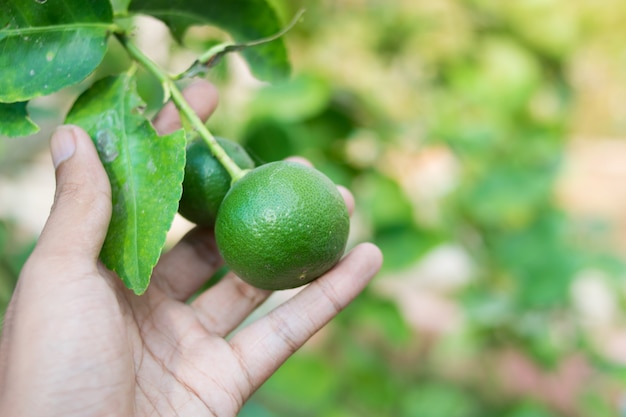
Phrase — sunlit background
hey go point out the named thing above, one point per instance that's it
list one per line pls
(485, 143)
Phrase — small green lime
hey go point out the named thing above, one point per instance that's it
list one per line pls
(282, 225)
(206, 181)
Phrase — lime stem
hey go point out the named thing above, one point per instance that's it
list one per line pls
(172, 90)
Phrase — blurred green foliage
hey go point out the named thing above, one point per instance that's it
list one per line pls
(13, 253)
(491, 83)
(490, 87)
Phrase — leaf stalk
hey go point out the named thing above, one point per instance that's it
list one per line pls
(212, 56)
(172, 91)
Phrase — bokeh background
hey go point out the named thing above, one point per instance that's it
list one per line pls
(484, 142)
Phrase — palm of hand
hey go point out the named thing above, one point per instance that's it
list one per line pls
(177, 361)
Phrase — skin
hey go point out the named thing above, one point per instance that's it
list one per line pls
(77, 343)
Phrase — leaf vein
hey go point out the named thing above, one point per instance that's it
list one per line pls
(56, 28)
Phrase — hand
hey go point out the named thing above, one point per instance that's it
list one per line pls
(76, 342)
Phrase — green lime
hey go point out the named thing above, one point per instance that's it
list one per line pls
(282, 225)
(206, 181)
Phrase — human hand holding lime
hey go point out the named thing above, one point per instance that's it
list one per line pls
(77, 342)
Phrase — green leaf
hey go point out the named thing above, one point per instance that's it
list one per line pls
(245, 20)
(146, 174)
(15, 120)
(49, 45)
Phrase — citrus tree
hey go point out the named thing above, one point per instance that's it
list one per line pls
(52, 45)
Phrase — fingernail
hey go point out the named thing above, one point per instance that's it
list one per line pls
(62, 144)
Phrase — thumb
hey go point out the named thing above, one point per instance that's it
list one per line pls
(81, 212)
